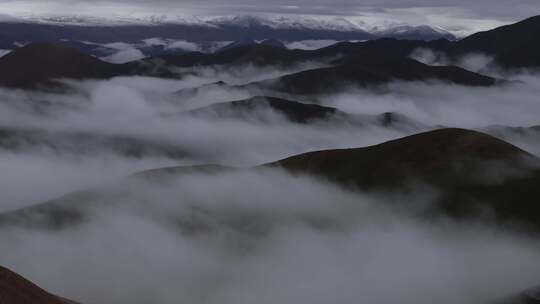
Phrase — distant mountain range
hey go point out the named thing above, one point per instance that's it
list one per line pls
(364, 63)
(41, 63)
(134, 38)
(259, 27)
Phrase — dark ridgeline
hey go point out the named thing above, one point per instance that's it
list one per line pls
(297, 112)
(472, 170)
(514, 46)
(39, 63)
(246, 109)
(14, 289)
(42, 63)
(380, 71)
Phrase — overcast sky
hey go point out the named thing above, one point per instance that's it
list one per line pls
(457, 15)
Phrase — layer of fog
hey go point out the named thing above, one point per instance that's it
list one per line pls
(309, 44)
(147, 109)
(513, 104)
(4, 52)
(34, 177)
(489, 109)
(132, 252)
(122, 52)
(476, 62)
(244, 74)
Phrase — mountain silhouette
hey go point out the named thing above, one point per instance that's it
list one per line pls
(14, 289)
(471, 170)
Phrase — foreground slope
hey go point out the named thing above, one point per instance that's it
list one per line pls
(471, 170)
(424, 155)
(14, 289)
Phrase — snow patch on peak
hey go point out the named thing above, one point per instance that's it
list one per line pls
(293, 21)
(288, 22)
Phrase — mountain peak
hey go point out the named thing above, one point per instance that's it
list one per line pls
(38, 63)
(426, 156)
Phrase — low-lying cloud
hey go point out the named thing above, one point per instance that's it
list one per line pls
(264, 235)
(263, 245)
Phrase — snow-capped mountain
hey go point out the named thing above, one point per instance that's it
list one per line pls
(403, 31)
(119, 38)
(322, 23)
(251, 22)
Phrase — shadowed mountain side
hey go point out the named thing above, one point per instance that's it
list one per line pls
(514, 45)
(529, 296)
(40, 63)
(471, 169)
(351, 72)
(14, 289)
(256, 109)
(424, 155)
(524, 56)
(274, 42)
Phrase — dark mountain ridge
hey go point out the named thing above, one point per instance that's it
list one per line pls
(246, 109)
(471, 170)
(297, 112)
(14, 289)
(40, 63)
(372, 70)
